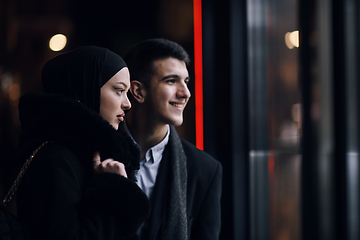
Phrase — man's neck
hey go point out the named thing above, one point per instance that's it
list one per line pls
(145, 133)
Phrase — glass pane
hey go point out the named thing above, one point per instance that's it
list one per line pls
(275, 119)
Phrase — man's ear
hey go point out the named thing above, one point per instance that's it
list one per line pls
(138, 90)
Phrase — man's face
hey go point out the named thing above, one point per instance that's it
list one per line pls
(168, 92)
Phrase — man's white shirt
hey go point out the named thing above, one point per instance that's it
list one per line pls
(146, 176)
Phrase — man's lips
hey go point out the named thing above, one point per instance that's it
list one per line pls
(178, 105)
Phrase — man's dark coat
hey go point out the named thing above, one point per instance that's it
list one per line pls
(203, 192)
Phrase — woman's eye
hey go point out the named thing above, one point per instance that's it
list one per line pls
(119, 90)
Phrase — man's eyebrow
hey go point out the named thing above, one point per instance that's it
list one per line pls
(122, 84)
(170, 76)
(173, 76)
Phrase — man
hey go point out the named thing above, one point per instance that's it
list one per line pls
(182, 182)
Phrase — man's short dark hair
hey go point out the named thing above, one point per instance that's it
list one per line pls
(141, 56)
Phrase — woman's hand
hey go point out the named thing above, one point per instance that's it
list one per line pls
(108, 166)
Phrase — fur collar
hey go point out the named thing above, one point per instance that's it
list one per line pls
(65, 121)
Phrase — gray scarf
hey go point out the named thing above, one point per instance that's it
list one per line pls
(174, 222)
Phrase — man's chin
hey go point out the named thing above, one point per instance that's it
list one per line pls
(173, 121)
(177, 123)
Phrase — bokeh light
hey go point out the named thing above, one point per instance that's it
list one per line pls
(57, 42)
(292, 39)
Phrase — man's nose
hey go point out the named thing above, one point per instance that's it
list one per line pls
(184, 91)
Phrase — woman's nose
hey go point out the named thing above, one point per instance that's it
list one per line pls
(126, 105)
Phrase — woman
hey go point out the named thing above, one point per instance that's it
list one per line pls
(80, 185)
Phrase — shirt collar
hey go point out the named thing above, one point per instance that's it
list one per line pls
(155, 153)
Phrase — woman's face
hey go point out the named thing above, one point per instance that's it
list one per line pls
(113, 98)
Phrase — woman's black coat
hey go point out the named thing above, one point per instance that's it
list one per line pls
(59, 196)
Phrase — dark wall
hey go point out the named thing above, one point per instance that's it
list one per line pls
(27, 26)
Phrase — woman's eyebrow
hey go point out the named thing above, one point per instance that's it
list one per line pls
(122, 84)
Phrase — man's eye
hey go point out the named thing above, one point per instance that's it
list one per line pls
(171, 81)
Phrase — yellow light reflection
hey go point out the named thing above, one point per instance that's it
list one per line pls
(292, 39)
(57, 42)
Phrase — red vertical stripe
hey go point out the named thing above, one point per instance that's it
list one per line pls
(199, 114)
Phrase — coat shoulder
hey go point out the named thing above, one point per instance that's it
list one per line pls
(198, 158)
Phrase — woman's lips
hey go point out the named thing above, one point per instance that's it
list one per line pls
(121, 117)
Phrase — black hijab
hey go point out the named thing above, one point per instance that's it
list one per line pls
(81, 73)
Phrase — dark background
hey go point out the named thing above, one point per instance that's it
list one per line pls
(27, 26)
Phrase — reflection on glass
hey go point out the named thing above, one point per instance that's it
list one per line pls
(275, 120)
(292, 39)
